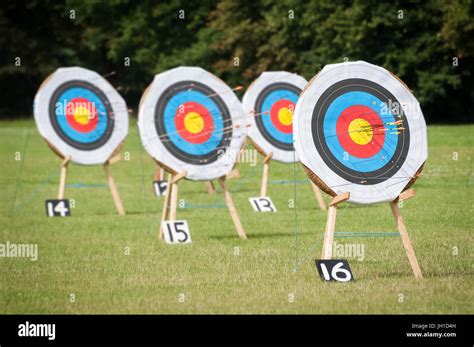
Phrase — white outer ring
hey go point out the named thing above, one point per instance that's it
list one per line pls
(248, 102)
(153, 144)
(309, 156)
(45, 128)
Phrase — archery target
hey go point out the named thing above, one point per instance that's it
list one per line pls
(270, 102)
(359, 129)
(189, 120)
(81, 114)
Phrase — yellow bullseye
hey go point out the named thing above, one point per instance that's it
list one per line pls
(285, 116)
(360, 131)
(81, 115)
(193, 122)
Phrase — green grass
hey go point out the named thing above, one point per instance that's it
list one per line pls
(84, 254)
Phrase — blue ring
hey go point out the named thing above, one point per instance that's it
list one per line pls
(180, 142)
(267, 104)
(80, 92)
(332, 115)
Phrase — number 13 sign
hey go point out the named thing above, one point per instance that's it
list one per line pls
(262, 204)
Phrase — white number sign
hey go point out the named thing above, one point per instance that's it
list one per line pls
(262, 204)
(160, 187)
(176, 231)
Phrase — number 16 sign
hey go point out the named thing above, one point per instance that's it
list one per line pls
(334, 270)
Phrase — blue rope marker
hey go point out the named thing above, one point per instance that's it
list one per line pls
(215, 205)
(86, 185)
(365, 234)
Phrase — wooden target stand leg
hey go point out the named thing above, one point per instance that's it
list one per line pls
(266, 168)
(230, 203)
(62, 179)
(404, 233)
(319, 196)
(170, 202)
(210, 187)
(331, 223)
(159, 173)
(160, 176)
(263, 188)
(112, 185)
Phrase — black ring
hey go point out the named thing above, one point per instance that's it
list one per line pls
(319, 113)
(258, 109)
(170, 146)
(110, 119)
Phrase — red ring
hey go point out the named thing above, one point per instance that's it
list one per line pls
(342, 128)
(82, 128)
(207, 129)
(277, 106)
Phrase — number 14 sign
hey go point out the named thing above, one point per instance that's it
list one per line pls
(57, 208)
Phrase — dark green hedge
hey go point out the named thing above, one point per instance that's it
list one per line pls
(418, 44)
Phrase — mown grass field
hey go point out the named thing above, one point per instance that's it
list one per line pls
(218, 272)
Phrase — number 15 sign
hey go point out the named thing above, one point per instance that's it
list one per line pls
(176, 232)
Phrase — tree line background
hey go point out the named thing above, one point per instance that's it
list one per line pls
(421, 48)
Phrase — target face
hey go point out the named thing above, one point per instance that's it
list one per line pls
(191, 121)
(270, 102)
(360, 130)
(350, 128)
(81, 115)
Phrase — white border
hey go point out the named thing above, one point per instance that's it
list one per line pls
(248, 102)
(309, 156)
(45, 128)
(153, 144)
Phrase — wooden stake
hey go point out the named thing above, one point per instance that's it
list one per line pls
(178, 177)
(266, 164)
(166, 201)
(159, 174)
(233, 211)
(115, 159)
(174, 201)
(174, 194)
(319, 196)
(329, 233)
(170, 201)
(210, 187)
(339, 198)
(113, 190)
(331, 224)
(233, 174)
(405, 239)
(62, 179)
(407, 194)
